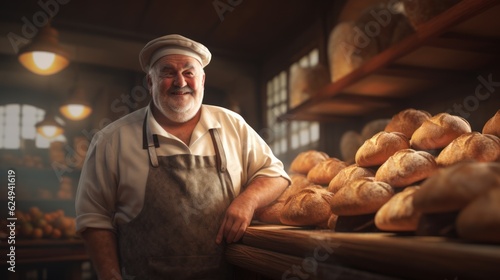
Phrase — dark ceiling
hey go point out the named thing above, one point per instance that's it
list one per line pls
(238, 29)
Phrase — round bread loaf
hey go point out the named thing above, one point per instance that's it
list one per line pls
(453, 187)
(480, 220)
(349, 145)
(299, 182)
(438, 131)
(271, 213)
(308, 207)
(407, 121)
(305, 161)
(306, 81)
(406, 167)
(361, 196)
(348, 174)
(421, 11)
(398, 213)
(492, 126)
(470, 146)
(380, 147)
(373, 127)
(323, 172)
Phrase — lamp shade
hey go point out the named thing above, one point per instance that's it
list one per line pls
(44, 55)
(77, 107)
(49, 127)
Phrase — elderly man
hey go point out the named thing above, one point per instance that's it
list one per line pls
(165, 187)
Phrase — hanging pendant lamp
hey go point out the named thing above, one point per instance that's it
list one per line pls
(49, 127)
(76, 107)
(44, 56)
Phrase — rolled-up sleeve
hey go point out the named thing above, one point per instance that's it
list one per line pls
(96, 193)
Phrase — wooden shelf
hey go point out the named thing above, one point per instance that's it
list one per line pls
(273, 250)
(450, 48)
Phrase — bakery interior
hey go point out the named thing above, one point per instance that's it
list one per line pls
(315, 79)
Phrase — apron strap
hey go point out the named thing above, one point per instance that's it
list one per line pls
(150, 142)
(219, 151)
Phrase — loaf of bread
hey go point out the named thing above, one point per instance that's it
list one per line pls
(398, 213)
(361, 196)
(480, 220)
(380, 147)
(470, 146)
(420, 11)
(348, 174)
(305, 82)
(323, 172)
(373, 127)
(349, 145)
(308, 207)
(407, 121)
(305, 161)
(492, 126)
(438, 131)
(452, 188)
(406, 167)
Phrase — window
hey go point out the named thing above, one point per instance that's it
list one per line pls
(17, 124)
(290, 136)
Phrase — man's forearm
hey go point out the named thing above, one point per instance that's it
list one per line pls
(102, 247)
(264, 190)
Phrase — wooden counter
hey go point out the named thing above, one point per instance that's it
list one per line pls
(283, 252)
(58, 259)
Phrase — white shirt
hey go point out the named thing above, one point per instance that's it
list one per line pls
(113, 179)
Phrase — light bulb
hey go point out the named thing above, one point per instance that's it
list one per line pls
(75, 110)
(43, 60)
(49, 131)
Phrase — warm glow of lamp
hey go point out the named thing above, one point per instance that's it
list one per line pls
(44, 55)
(76, 107)
(49, 127)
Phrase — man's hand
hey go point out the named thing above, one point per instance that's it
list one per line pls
(259, 193)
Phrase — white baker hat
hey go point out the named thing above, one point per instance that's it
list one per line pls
(172, 44)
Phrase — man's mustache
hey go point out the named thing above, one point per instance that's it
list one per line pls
(185, 89)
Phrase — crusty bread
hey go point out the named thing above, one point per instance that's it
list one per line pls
(347, 174)
(308, 207)
(398, 213)
(332, 221)
(361, 196)
(470, 146)
(421, 11)
(305, 161)
(453, 187)
(406, 167)
(323, 172)
(438, 131)
(380, 147)
(407, 121)
(492, 126)
(349, 145)
(271, 213)
(480, 220)
(305, 82)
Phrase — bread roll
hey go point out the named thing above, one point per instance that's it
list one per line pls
(420, 11)
(323, 172)
(271, 213)
(492, 126)
(361, 196)
(349, 145)
(380, 147)
(373, 127)
(305, 161)
(407, 121)
(480, 220)
(471, 146)
(438, 131)
(398, 213)
(348, 174)
(305, 82)
(406, 167)
(310, 206)
(453, 187)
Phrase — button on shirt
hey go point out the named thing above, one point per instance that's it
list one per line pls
(113, 179)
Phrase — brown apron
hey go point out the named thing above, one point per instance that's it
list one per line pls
(173, 237)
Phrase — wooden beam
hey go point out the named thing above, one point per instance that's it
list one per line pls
(468, 43)
(424, 73)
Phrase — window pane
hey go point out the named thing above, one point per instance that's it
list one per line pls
(295, 141)
(315, 132)
(304, 137)
(314, 57)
